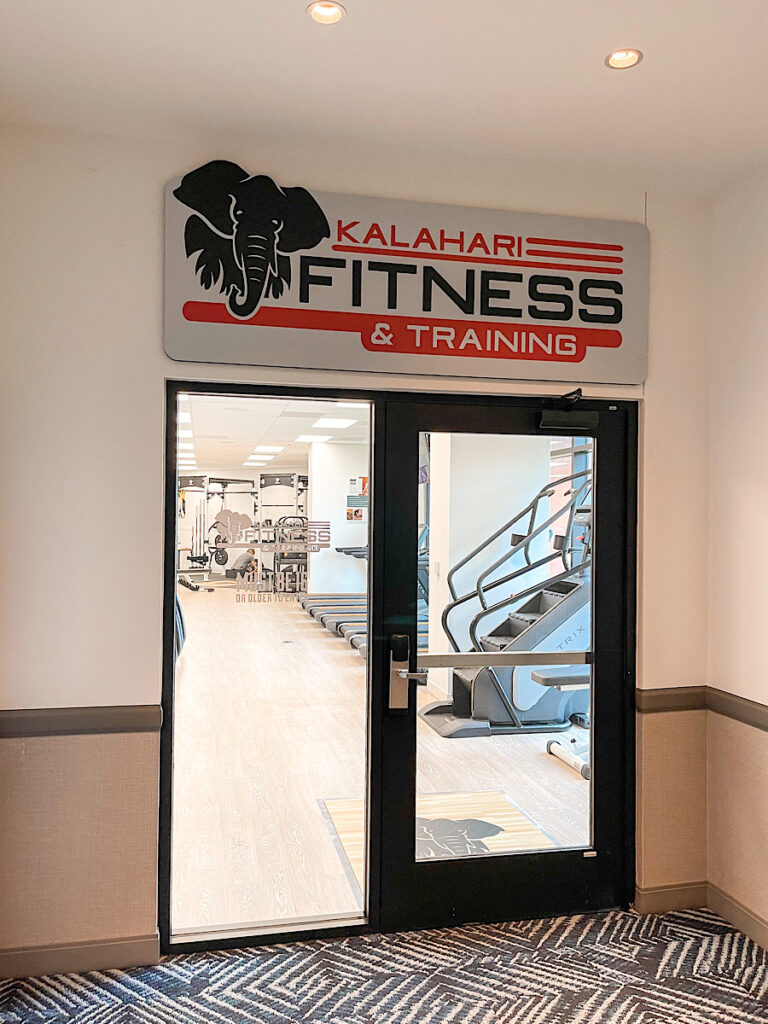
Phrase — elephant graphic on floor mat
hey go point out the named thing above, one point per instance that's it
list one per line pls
(444, 837)
(244, 228)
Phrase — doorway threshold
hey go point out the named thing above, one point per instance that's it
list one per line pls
(279, 926)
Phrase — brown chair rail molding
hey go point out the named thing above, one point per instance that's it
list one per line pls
(149, 717)
(701, 698)
(80, 721)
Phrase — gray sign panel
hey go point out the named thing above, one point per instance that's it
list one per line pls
(261, 274)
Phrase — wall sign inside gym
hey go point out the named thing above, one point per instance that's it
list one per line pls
(264, 274)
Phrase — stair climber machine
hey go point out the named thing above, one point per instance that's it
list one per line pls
(547, 614)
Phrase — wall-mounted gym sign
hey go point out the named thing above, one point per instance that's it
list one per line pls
(262, 274)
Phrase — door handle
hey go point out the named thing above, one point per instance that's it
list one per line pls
(399, 672)
(418, 677)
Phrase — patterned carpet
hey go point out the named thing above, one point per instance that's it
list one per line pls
(614, 968)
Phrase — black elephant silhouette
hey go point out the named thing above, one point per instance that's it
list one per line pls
(244, 228)
(449, 837)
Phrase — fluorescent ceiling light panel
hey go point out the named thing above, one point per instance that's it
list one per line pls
(183, 398)
(352, 405)
(186, 446)
(184, 417)
(184, 433)
(327, 422)
(253, 465)
(268, 448)
(312, 438)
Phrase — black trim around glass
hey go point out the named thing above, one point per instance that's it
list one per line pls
(400, 895)
(436, 893)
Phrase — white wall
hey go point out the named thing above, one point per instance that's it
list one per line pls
(477, 483)
(673, 452)
(738, 438)
(330, 468)
(439, 679)
(81, 409)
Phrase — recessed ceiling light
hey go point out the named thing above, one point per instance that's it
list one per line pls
(326, 13)
(261, 458)
(183, 398)
(621, 59)
(326, 422)
(352, 405)
(253, 464)
(312, 438)
(184, 433)
(186, 446)
(184, 417)
(268, 448)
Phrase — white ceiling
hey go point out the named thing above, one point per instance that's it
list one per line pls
(488, 82)
(226, 430)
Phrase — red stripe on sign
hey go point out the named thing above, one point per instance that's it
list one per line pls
(575, 245)
(403, 335)
(579, 256)
(461, 258)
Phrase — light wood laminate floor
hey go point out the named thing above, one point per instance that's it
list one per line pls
(270, 713)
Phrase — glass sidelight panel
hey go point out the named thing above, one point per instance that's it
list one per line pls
(504, 586)
(269, 780)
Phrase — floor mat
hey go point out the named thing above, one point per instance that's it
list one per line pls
(447, 825)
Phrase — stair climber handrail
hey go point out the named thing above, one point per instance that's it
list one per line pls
(524, 544)
(422, 544)
(528, 592)
(501, 581)
(530, 507)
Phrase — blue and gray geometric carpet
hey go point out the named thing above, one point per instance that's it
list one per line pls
(687, 967)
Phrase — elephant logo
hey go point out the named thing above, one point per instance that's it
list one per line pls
(244, 228)
(446, 837)
(231, 526)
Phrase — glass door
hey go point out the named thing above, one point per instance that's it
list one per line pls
(266, 695)
(507, 612)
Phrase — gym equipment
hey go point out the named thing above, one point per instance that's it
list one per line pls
(422, 565)
(545, 614)
(346, 615)
(199, 555)
(179, 627)
(289, 529)
(355, 552)
(572, 754)
(185, 581)
(575, 752)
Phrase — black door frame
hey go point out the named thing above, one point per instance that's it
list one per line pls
(439, 893)
(378, 678)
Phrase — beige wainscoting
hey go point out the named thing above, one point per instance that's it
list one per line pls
(78, 847)
(702, 822)
(737, 798)
(78, 826)
(671, 810)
